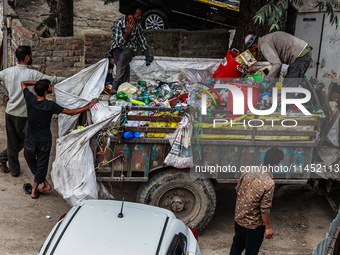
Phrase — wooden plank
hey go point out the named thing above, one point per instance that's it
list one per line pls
(139, 158)
(154, 118)
(158, 153)
(157, 109)
(258, 132)
(227, 131)
(125, 179)
(150, 129)
(256, 143)
(269, 122)
(146, 140)
(277, 181)
(229, 142)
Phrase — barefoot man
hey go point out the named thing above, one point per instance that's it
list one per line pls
(38, 140)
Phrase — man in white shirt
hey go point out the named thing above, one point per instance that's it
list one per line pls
(16, 113)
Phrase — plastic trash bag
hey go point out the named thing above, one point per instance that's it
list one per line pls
(128, 88)
(180, 155)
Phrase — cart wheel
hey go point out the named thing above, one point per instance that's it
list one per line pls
(190, 197)
(155, 19)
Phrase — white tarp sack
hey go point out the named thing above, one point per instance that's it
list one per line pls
(78, 90)
(73, 173)
(170, 69)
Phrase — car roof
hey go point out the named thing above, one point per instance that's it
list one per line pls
(96, 229)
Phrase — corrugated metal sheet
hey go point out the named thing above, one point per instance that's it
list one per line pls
(322, 247)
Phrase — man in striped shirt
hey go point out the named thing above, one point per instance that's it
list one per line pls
(127, 33)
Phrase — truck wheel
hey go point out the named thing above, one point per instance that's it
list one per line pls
(190, 197)
(155, 19)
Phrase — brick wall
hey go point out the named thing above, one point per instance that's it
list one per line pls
(193, 44)
(65, 56)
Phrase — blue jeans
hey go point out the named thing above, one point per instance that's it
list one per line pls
(248, 239)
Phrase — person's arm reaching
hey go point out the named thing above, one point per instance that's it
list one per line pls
(36, 75)
(272, 56)
(266, 220)
(80, 110)
(25, 84)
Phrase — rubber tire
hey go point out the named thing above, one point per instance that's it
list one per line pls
(151, 192)
(157, 12)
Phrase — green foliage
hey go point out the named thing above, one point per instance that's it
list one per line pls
(272, 13)
(109, 1)
(327, 7)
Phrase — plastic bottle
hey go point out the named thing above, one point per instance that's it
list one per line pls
(122, 95)
(112, 100)
(123, 103)
(142, 83)
(128, 135)
(146, 98)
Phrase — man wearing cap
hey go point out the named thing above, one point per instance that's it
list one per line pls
(282, 48)
(255, 191)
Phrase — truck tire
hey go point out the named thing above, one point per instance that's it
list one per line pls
(190, 197)
(155, 19)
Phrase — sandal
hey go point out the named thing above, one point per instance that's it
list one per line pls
(37, 196)
(4, 168)
(27, 188)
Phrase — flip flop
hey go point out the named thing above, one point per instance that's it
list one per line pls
(27, 188)
(4, 168)
(37, 196)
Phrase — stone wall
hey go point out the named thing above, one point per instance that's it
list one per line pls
(65, 56)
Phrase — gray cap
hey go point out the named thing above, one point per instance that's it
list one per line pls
(249, 40)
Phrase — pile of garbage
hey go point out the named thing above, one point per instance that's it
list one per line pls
(163, 94)
(178, 95)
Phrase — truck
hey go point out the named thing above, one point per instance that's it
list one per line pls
(191, 195)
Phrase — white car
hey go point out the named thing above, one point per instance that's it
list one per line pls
(106, 227)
